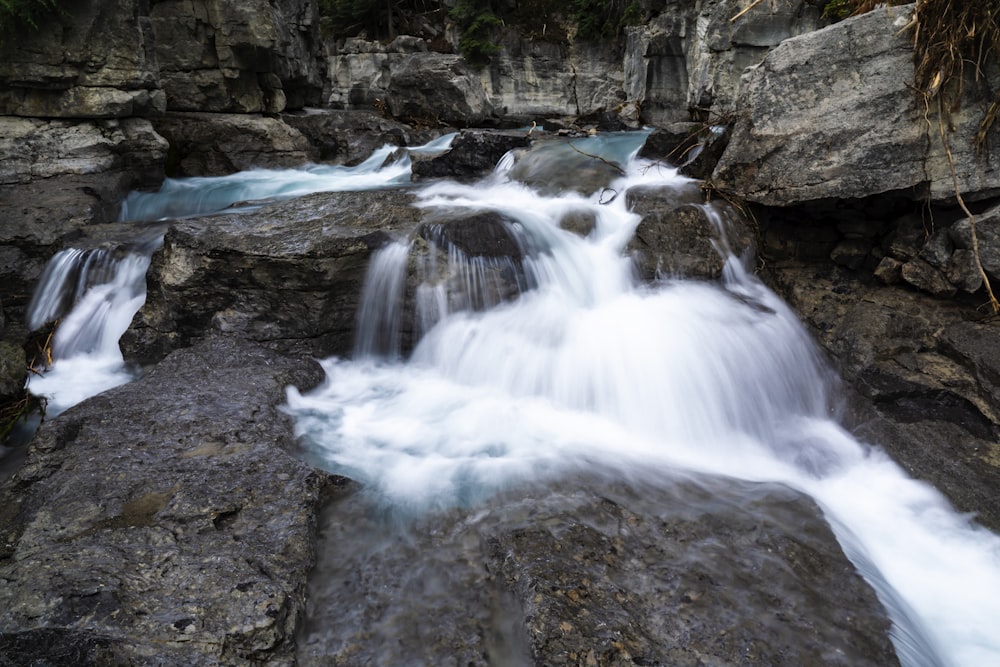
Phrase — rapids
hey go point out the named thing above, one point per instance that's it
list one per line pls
(587, 369)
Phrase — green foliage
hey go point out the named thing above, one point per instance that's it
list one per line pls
(604, 19)
(17, 14)
(477, 24)
(838, 9)
(351, 17)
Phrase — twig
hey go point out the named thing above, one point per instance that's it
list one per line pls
(749, 7)
(621, 172)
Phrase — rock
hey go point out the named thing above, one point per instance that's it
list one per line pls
(247, 57)
(672, 143)
(689, 240)
(350, 137)
(59, 176)
(921, 372)
(593, 571)
(808, 130)
(987, 237)
(889, 270)
(923, 275)
(212, 144)
(474, 153)
(688, 59)
(164, 521)
(13, 372)
(289, 274)
(84, 60)
(557, 166)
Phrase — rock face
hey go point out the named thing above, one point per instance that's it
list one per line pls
(289, 274)
(243, 57)
(87, 60)
(830, 114)
(686, 60)
(213, 144)
(59, 176)
(925, 371)
(163, 522)
(138, 58)
(593, 572)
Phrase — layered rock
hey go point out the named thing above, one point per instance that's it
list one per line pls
(215, 144)
(289, 274)
(59, 176)
(85, 60)
(588, 571)
(244, 57)
(832, 114)
(163, 522)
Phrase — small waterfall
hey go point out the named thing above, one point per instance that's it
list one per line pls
(381, 312)
(589, 370)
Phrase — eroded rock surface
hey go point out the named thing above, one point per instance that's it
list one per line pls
(163, 522)
(593, 572)
(289, 274)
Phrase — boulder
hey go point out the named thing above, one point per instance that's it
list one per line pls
(289, 274)
(214, 144)
(585, 570)
(473, 154)
(350, 137)
(164, 522)
(84, 60)
(832, 114)
(684, 239)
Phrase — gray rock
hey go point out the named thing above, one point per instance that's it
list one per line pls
(922, 373)
(590, 571)
(214, 144)
(246, 57)
(473, 154)
(58, 177)
(289, 274)
(164, 521)
(690, 240)
(13, 372)
(350, 137)
(85, 60)
(923, 275)
(808, 130)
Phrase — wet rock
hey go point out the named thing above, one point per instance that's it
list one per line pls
(474, 153)
(923, 275)
(164, 521)
(808, 131)
(289, 273)
(13, 371)
(672, 143)
(212, 144)
(690, 240)
(59, 176)
(921, 371)
(593, 571)
(350, 137)
(553, 167)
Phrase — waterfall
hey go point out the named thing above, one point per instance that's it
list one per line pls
(591, 370)
(94, 293)
(569, 365)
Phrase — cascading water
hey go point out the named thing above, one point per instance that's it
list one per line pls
(95, 292)
(585, 370)
(592, 371)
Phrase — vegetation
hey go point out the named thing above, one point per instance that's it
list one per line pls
(604, 19)
(17, 14)
(477, 23)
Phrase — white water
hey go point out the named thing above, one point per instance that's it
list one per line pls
(591, 371)
(96, 292)
(587, 370)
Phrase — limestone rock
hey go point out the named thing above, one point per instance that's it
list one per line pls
(687, 240)
(587, 570)
(212, 144)
(350, 137)
(473, 153)
(289, 274)
(85, 60)
(164, 521)
(830, 114)
(244, 57)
